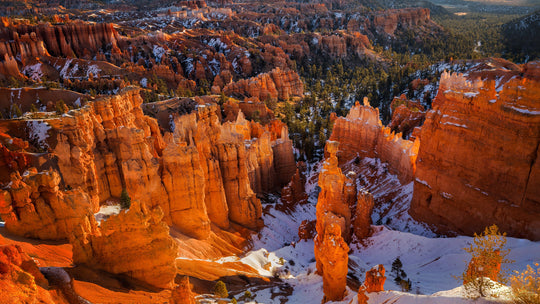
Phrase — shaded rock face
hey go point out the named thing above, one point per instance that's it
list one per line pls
(20, 278)
(276, 85)
(362, 296)
(295, 192)
(72, 39)
(375, 279)
(135, 243)
(477, 164)
(362, 217)
(361, 134)
(33, 206)
(388, 21)
(406, 115)
(306, 230)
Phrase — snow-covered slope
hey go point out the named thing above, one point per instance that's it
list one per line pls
(430, 262)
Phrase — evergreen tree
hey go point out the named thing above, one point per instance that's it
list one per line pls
(220, 290)
(125, 200)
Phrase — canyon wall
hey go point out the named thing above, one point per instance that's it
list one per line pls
(34, 206)
(135, 243)
(201, 173)
(72, 39)
(276, 85)
(478, 161)
(362, 134)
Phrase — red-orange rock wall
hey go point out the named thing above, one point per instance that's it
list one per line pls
(361, 134)
(477, 164)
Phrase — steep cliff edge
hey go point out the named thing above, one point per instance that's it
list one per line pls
(478, 161)
(277, 84)
(362, 134)
(200, 172)
(135, 243)
(71, 39)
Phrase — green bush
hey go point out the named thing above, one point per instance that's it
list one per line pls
(220, 290)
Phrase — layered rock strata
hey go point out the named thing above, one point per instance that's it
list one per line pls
(34, 206)
(362, 134)
(20, 278)
(68, 40)
(200, 173)
(134, 243)
(278, 84)
(477, 164)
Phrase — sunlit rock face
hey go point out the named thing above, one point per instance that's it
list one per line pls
(34, 206)
(362, 134)
(20, 278)
(277, 84)
(331, 252)
(134, 242)
(375, 279)
(199, 171)
(477, 164)
(182, 294)
(333, 226)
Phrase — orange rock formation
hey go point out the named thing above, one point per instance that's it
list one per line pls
(331, 252)
(20, 278)
(477, 164)
(333, 226)
(375, 279)
(277, 84)
(33, 206)
(406, 115)
(362, 216)
(135, 243)
(182, 294)
(361, 134)
(71, 39)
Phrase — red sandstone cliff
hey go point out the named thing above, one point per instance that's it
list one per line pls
(201, 173)
(20, 278)
(68, 40)
(34, 206)
(277, 84)
(406, 115)
(361, 134)
(477, 164)
(135, 243)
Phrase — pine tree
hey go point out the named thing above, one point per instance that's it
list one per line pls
(220, 290)
(125, 200)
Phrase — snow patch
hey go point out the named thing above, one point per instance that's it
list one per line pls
(38, 132)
